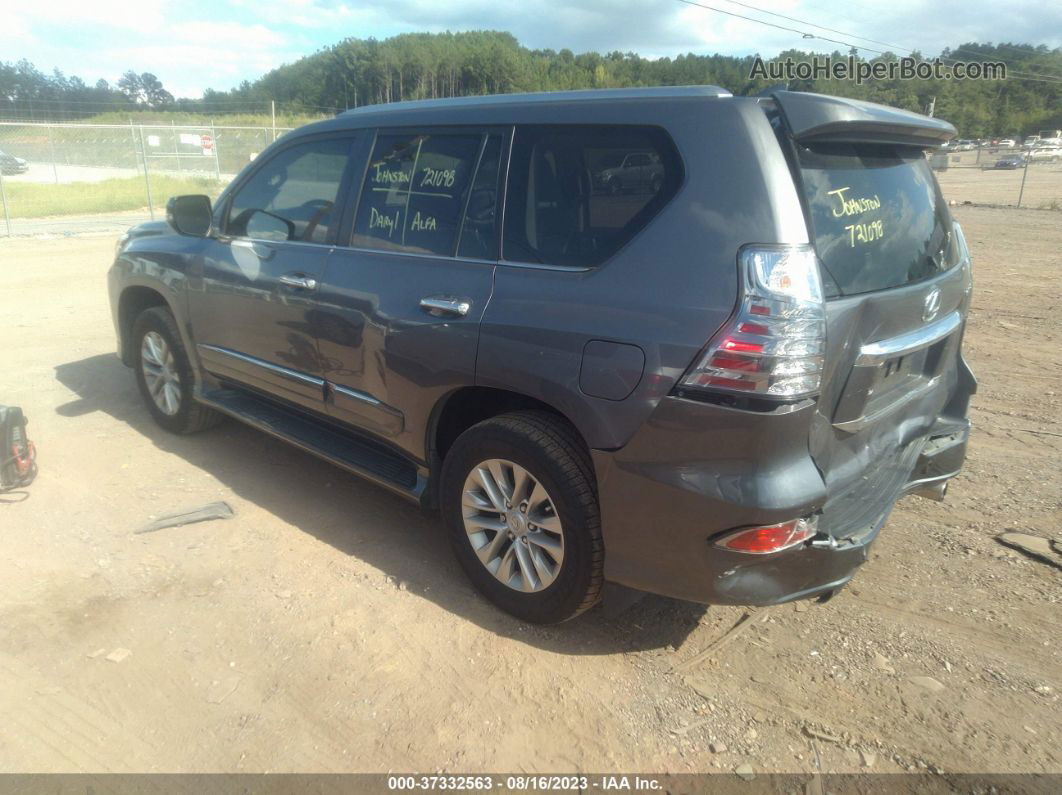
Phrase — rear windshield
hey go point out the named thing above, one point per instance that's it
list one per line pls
(876, 214)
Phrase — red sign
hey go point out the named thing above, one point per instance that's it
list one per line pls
(207, 143)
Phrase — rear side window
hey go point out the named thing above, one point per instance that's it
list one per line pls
(479, 234)
(577, 194)
(877, 216)
(293, 195)
(414, 192)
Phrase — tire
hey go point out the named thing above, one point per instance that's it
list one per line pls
(550, 451)
(181, 414)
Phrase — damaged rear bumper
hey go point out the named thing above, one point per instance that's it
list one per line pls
(698, 470)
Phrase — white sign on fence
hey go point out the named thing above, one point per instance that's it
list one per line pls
(192, 139)
(153, 140)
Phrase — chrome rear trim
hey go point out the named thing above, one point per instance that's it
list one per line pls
(874, 353)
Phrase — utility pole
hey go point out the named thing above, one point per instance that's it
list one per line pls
(1024, 174)
(51, 148)
(147, 179)
(273, 112)
(176, 148)
(217, 157)
(3, 200)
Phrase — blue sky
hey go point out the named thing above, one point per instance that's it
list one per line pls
(195, 44)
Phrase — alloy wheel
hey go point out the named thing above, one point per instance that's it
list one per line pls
(512, 525)
(160, 373)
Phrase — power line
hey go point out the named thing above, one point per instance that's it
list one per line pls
(878, 41)
(909, 51)
(812, 24)
(804, 34)
(986, 55)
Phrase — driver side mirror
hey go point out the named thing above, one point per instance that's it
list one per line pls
(190, 215)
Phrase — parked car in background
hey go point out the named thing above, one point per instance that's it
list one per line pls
(714, 389)
(1008, 162)
(1007, 143)
(1045, 153)
(9, 164)
(638, 172)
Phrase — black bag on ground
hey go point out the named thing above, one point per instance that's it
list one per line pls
(18, 456)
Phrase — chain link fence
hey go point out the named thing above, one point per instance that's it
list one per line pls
(73, 177)
(62, 178)
(1001, 176)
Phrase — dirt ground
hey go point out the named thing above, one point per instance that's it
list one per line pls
(327, 628)
(970, 183)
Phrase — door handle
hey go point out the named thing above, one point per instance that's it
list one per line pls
(440, 305)
(298, 281)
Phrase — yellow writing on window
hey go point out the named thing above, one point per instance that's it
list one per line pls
(864, 233)
(847, 205)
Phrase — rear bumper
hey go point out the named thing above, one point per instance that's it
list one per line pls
(697, 470)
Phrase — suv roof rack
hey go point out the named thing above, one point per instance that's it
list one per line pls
(545, 97)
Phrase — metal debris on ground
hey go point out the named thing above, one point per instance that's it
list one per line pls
(1036, 547)
(738, 627)
(215, 510)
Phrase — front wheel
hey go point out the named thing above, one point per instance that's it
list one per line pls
(164, 374)
(519, 499)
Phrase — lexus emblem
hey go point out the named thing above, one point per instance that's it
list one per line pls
(931, 305)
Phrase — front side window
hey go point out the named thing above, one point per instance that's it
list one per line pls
(577, 194)
(415, 192)
(293, 195)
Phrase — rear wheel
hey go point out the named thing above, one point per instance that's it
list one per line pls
(164, 374)
(519, 500)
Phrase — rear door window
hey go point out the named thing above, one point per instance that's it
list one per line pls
(479, 233)
(576, 194)
(877, 216)
(415, 192)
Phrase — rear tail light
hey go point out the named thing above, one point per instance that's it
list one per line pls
(774, 344)
(770, 538)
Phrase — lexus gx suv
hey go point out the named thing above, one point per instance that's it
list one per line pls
(687, 342)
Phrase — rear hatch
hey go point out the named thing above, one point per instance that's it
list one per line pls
(897, 281)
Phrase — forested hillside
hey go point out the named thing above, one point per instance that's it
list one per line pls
(356, 72)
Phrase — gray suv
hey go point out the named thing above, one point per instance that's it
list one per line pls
(714, 385)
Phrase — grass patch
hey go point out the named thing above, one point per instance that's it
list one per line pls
(37, 200)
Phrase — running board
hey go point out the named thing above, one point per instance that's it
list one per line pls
(364, 457)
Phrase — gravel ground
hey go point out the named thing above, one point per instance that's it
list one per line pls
(326, 628)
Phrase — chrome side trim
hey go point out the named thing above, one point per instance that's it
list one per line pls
(366, 398)
(291, 375)
(417, 255)
(244, 242)
(874, 353)
(542, 266)
(356, 394)
(545, 266)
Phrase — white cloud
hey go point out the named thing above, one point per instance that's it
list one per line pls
(195, 44)
(144, 15)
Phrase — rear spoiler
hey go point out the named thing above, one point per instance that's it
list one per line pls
(816, 117)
